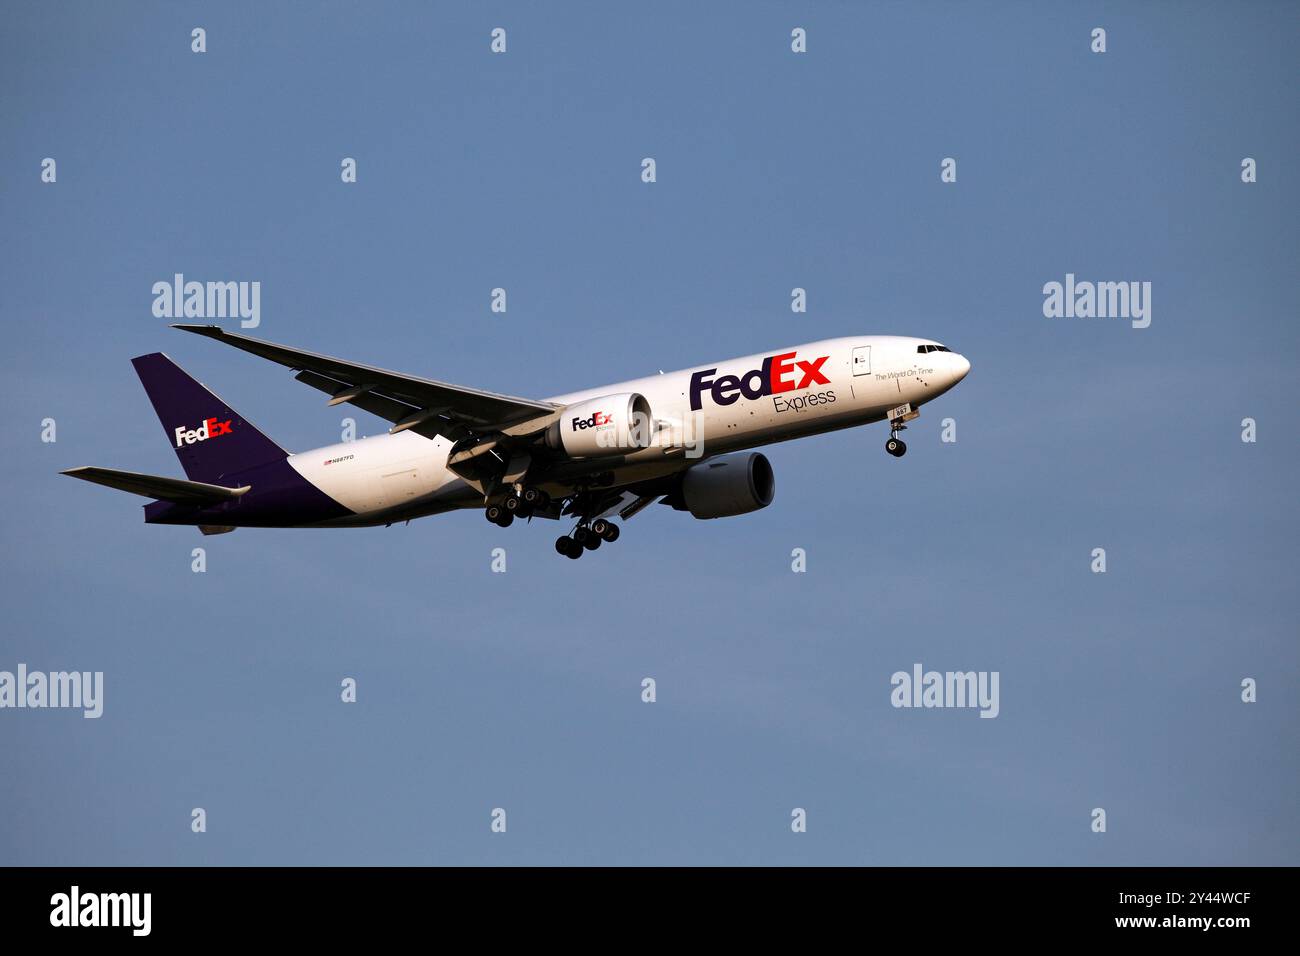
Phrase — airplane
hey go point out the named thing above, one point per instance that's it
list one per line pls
(684, 439)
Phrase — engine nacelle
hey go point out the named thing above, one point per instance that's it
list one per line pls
(599, 427)
(726, 486)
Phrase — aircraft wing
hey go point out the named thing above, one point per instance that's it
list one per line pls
(427, 407)
(156, 486)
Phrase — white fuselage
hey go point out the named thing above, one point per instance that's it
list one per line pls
(721, 407)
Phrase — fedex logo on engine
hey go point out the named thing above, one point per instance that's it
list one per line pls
(779, 373)
(595, 421)
(210, 428)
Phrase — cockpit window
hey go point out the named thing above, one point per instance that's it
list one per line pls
(923, 349)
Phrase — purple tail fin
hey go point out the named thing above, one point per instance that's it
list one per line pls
(208, 436)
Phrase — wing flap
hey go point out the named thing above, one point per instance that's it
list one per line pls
(380, 405)
(156, 486)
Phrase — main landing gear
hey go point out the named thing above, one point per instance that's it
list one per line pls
(586, 537)
(517, 505)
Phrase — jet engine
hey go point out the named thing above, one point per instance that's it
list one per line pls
(726, 486)
(599, 427)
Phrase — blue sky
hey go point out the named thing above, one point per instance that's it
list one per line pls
(522, 690)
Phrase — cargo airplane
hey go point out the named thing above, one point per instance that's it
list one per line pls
(683, 439)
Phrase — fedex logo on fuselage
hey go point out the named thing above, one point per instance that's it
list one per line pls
(595, 421)
(210, 428)
(779, 373)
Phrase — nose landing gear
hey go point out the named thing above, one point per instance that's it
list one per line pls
(898, 419)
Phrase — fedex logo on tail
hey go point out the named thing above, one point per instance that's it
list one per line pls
(779, 373)
(210, 428)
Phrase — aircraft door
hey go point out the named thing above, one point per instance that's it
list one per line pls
(862, 360)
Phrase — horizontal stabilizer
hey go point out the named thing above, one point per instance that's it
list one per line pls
(154, 486)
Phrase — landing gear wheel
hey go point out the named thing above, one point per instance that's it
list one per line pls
(514, 505)
(494, 513)
(896, 447)
(536, 498)
(506, 521)
(581, 534)
(607, 530)
(568, 547)
(592, 542)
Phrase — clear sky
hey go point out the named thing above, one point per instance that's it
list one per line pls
(775, 170)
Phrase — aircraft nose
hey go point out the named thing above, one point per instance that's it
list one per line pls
(961, 367)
